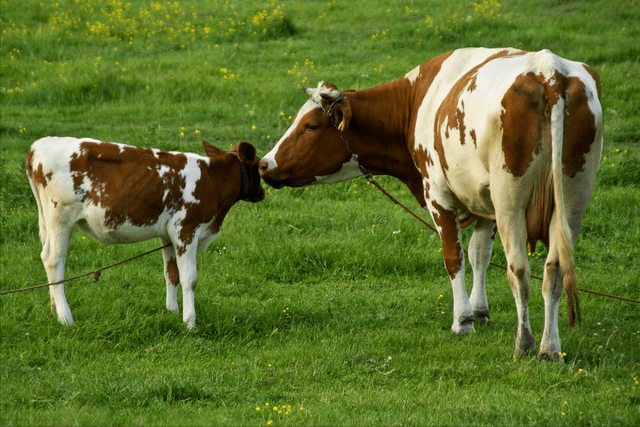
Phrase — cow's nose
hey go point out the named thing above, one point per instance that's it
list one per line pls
(263, 168)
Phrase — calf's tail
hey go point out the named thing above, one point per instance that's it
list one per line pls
(36, 195)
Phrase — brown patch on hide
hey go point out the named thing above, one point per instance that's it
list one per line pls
(171, 269)
(522, 123)
(579, 128)
(452, 251)
(128, 182)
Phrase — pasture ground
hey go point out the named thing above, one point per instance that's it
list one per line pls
(326, 305)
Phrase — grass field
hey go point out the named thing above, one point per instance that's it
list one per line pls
(326, 305)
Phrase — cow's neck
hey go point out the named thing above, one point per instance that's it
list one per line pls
(381, 132)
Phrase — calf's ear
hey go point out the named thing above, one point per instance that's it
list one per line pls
(246, 153)
(211, 150)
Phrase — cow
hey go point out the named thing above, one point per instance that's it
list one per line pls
(508, 139)
(124, 194)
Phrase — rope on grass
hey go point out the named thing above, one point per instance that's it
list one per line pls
(96, 273)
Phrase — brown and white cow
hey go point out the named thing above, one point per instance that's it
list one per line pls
(499, 136)
(124, 194)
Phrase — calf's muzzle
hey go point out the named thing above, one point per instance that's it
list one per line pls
(270, 176)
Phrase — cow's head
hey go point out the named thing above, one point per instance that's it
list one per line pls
(311, 151)
(252, 190)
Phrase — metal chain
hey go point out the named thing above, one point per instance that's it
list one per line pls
(354, 156)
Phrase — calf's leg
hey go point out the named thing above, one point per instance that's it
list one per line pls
(186, 262)
(171, 275)
(54, 253)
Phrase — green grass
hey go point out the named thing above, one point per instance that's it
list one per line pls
(310, 299)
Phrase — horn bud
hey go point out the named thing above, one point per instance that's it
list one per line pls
(331, 96)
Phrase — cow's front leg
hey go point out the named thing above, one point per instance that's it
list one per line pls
(479, 256)
(171, 275)
(188, 279)
(449, 231)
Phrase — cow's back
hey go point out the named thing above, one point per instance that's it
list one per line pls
(487, 112)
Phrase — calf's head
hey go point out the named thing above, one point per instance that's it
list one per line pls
(249, 162)
(311, 151)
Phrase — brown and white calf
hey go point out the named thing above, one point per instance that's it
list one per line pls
(495, 136)
(124, 194)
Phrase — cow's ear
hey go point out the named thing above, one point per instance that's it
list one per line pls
(342, 115)
(211, 150)
(246, 153)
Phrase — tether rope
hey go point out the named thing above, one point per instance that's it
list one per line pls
(368, 176)
(372, 180)
(96, 273)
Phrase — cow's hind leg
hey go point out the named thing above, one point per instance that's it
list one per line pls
(577, 192)
(513, 233)
(54, 253)
(479, 257)
(551, 293)
(171, 275)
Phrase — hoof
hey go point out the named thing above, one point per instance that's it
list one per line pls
(553, 357)
(191, 324)
(524, 342)
(482, 316)
(464, 325)
(520, 351)
(65, 319)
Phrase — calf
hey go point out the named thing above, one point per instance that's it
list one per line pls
(124, 194)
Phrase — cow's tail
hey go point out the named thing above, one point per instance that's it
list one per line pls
(562, 229)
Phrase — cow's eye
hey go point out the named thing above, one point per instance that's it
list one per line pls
(312, 127)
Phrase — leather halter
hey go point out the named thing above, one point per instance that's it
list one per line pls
(246, 178)
(329, 113)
